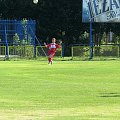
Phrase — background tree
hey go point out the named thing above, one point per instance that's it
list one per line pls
(56, 18)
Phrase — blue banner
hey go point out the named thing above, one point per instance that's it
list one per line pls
(101, 11)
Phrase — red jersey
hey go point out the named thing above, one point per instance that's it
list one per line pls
(53, 47)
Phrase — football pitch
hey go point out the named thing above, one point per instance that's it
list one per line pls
(66, 90)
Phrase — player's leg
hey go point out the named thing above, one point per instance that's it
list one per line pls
(51, 58)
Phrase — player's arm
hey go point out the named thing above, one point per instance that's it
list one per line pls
(60, 44)
(45, 45)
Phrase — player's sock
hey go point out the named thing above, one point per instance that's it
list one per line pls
(49, 60)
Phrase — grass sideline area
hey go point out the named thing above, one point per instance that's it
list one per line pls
(66, 90)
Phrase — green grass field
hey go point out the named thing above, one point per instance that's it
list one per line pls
(69, 90)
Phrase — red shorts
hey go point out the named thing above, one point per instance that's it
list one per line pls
(51, 54)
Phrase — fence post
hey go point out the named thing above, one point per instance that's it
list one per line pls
(62, 53)
(72, 52)
(34, 50)
(6, 42)
(91, 41)
(119, 50)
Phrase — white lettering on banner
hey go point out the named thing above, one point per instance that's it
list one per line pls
(104, 10)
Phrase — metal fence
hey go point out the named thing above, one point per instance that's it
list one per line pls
(21, 51)
(26, 51)
(2, 51)
(40, 51)
(79, 52)
(105, 51)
